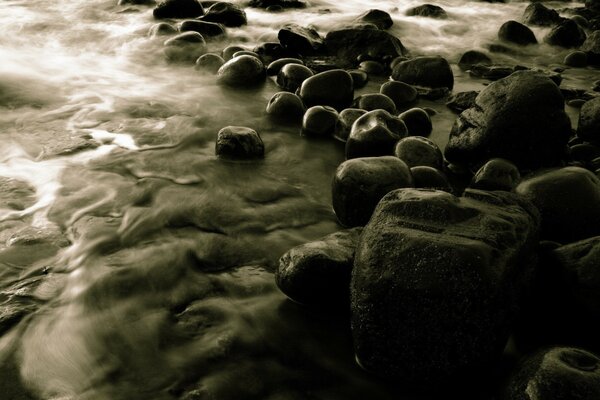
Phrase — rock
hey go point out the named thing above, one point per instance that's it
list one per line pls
(245, 53)
(178, 9)
(286, 106)
(185, 47)
(318, 273)
(417, 122)
(436, 282)
(584, 153)
(275, 66)
(330, 88)
(556, 373)
(239, 142)
(427, 10)
(402, 94)
(360, 183)
(379, 18)
(228, 14)
(473, 57)
(301, 40)
(428, 71)
(576, 59)
(209, 62)
(517, 33)
(319, 121)
(349, 43)
(581, 21)
(520, 118)
(359, 78)
(496, 174)
(592, 47)
(372, 68)
(567, 199)
(229, 51)
(567, 34)
(538, 14)
(241, 71)
(589, 121)
(291, 76)
(374, 101)
(430, 178)
(491, 72)
(345, 121)
(209, 29)
(161, 29)
(277, 3)
(271, 51)
(374, 134)
(418, 151)
(459, 102)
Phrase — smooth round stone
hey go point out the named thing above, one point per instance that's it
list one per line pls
(473, 57)
(274, 67)
(567, 34)
(496, 174)
(345, 121)
(209, 62)
(286, 106)
(379, 18)
(241, 71)
(402, 94)
(208, 29)
(375, 134)
(417, 122)
(576, 59)
(333, 88)
(581, 21)
(372, 68)
(359, 78)
(239, 142)
(319, 121)
(584, 152)
(161, 29)
(229, 51)
(374, 101)
(360, 183)
(187, 46)
(427, 10)
(291, 76)
(517, 33)
(430, 178)
(397, 60)
(226, 13)
(419, 151)
(245, 53)
(427, 71)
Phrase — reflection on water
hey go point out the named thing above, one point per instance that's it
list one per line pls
(133, 263)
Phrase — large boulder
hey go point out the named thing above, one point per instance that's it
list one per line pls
(427, 10)
(589, 121)
(375, 134)
(241, 71)
(299, 39)
(436, 282)
(178, 9)
(332, 88)
(592, 47)
(379, 18)
(538, 14)
(520, 118)
(225, 13)
(567, 34)
(473, 57)
(427, 71)
(517, 33)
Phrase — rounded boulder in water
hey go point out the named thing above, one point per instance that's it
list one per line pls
(299, 39)
(427, 10)
(239, 142)
(178, 9)
(427, 71)
(496, 174)
(473, 57)
(286, 107)
(430, 178)
(185, 47)
(345, 121)
(229, 51)
(375, 134)
(360, 183)
(228, 14)
(567, 34)
(402, 94)
(241, 71)
(209, 62)
(374, 101)
(332, 88)
(589, 121)
(379, 18)
(208, 29)
(417, 122)
(591, 46)
(517, 33)
(419, 151)
(359, 78)
(539, 15)
(319, 121)
(576, 59)
(291, 76)
(275, 66)
(161, 29)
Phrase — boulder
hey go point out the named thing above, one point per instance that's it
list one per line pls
(576, 59)
(520, 118)
(402, 94)
(496, 174)
(299, 39)
(375, 134)
(239, 142)
(592, 47)
(332, 88)
(427, 71)
(473, 57)
(275, 66)
(162, 29)
(427, 10)
(185, 47)
(178, 9)
(286, 106)
(538, 14)
(379, 18)
(209, 62)
(589, 121)
(360, 183)
(291, 76)
(208, 29)
(375, 101)
(418, 151)
(517, 33)
(241, 71)
(417, 122)
(225, 13)
(436, 282)
(319, 121)
(345, 121)
(567, 34)
(430, 178)
(229, 51)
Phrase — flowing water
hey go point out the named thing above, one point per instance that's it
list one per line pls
(136, 265)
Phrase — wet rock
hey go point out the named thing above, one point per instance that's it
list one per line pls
(161, 29)
(417, 122)
(241, 71)
(517, 33)
(286, 107)
(301, 40)
(239, 142)
(207, 29)
(319, 121)
(291, 76)
(491, 72)
(318, 273)
(496, 174)
(556, 373)
(360, 183)
(592, 47)
(245, 53)
(430, 178)
(275, 66)
(331, 88)
(278, 3)
(567, 34)
(374, 101)
(436, 282)
(584, 153)
(418, 151)
(209, 62)
(225, 13)
(372, 68)
(345, 121)
(402, 94)
(589, 121)
(567, 199)
(459, 102)
(473, 57)
(379, 18)
(581, 21)
(576, 59)
(229, 51)
(271, 51)
(427, 10)
(538, 14)
(520, 118)
(359, 78)
(185, 47)
(427, 71)
(178, 9)
(375, 134)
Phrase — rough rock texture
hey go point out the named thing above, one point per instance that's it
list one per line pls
(299, 39)
(589, 121)
(428, 71)
(592, 47)
(239, 142)
(435, 282)
(460, 101)
(538, 14)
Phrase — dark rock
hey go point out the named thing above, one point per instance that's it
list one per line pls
(277, 3)
(210, 29)
(379, 18)
(584, 153)
(330, 88)
(359, 78)
(178, 9)
(592, 47)
(228, 14)
(161, 29)
(459, 102)
(496, 174)
(185, 47)
(291, 76)
(517, 33)
(402, 94)
(275, 66)
(491, 72)
(589, 121)
(318, 273)
(576, 59)
(428, 71)
(430, 178)
(271, 51)
(538, 14)
(576, 103)
(374, 134)
(301, 40)
(241, 71)
(345, 121)
(372, 68)
(245, 53)
(427, 10)
(229, 51)
(567, 34)
(520, 118)
(418, 151)
(319, 121)
(473, 57)
(581, 21)
(436, 282)
(286, 107)
(374, 101)
(209, 62)
(360, 183)
(417, 122)
(568, 201)
(239, 142)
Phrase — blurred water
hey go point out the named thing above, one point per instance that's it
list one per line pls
(133, 263)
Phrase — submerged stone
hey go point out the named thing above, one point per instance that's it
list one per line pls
(239, 142)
